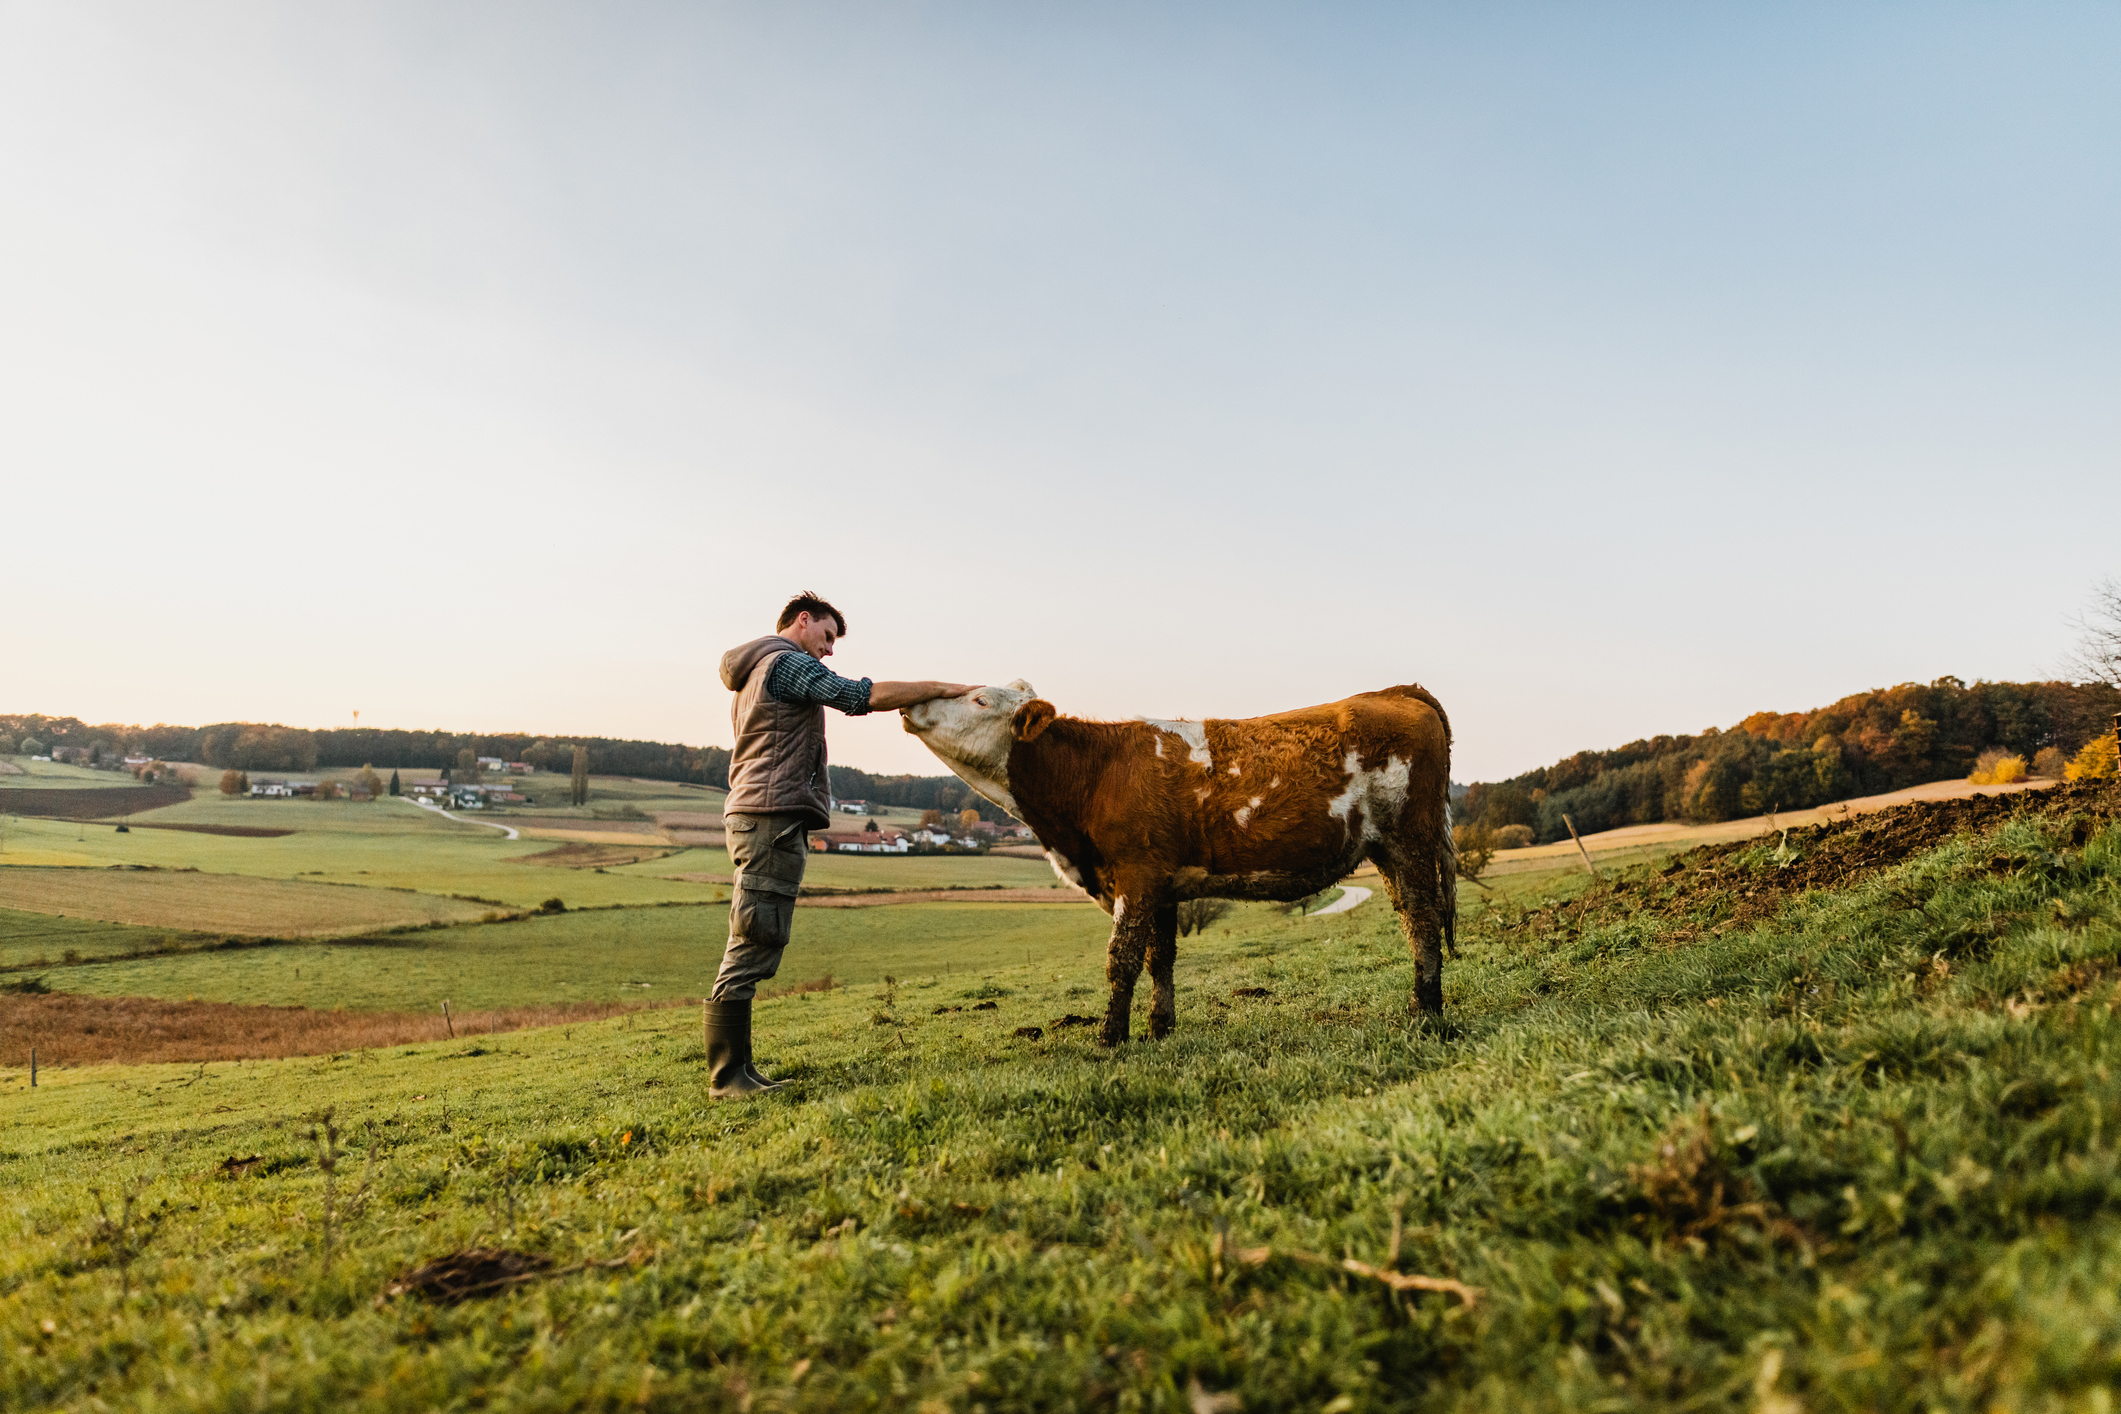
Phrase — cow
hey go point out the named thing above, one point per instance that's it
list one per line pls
(1143, 815)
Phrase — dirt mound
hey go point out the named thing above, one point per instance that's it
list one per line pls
(71, 1030)
(478, 1271)
(1830, 856)
(92, 803)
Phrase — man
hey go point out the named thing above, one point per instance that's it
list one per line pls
(778, 793)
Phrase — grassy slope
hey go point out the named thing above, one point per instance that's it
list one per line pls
(1856, 1155)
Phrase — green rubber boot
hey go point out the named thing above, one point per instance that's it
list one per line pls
(729, 1072)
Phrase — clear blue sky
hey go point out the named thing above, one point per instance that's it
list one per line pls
(1610, 369)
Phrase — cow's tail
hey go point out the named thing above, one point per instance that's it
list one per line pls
(1447, 870)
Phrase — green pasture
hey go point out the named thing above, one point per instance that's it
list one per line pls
(373, 844)
(32, 938)
(874, 871)
(1858, 1156)
(60, 775)
(628, 954)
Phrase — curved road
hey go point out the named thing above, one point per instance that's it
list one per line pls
(509, 830)
(1350, 896)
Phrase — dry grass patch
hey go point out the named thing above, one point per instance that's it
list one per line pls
(223, 903)
(74, 1030)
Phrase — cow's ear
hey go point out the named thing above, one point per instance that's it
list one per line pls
(1032, 718)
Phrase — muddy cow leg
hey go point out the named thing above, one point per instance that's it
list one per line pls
(1414, 898)
(1163, 956)
(1132, 933)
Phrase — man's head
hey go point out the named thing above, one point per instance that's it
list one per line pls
(814, 624)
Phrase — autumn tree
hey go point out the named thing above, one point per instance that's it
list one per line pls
(467, 766)
(231, 782)
(371, 782)
(578, 792)
(966, 819)
(931, 819)
(327, 790)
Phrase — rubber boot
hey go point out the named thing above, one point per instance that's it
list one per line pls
(729, 1074)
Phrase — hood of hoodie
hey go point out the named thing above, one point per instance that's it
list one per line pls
(740, 662)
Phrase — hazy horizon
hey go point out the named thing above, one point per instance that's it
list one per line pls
(1609, 371)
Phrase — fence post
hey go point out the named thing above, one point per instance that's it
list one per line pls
(32, 1067)
(1580, 849)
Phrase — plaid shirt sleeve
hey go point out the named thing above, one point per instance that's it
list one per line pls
(798, 677)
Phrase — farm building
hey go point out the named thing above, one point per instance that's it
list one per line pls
(272, 790)
(852, 807)
(860, 842)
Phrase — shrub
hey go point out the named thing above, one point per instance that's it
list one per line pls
(231, 782)
(1997, 767)
(1194, 915)
(2049, 763)
(2096, 762)
(1513, 837)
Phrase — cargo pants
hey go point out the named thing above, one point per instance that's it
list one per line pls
(769, 852)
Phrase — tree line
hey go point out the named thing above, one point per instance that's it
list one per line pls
(258, 746)
(947, 794)
(1865, 744)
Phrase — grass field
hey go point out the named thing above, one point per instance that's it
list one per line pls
(628, 954)
(225, 904)
(1687, 1142)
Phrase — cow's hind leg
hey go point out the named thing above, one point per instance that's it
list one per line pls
(1163, 957)
(1413, 890)
(1133, 932)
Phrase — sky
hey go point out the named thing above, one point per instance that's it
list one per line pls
(1609, 369)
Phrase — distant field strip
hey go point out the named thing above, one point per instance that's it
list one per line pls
(1018, 896)
(223, 903)
(90, 803)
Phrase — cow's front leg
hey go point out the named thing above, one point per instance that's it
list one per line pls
(1133, 931)
(1163, 956)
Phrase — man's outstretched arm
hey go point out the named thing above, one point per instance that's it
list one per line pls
(884, 696)
(798, 677)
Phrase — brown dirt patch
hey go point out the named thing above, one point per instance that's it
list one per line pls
(1830, 856)
(72, 1030)
(91, 803)
(689, 819)
(1018, 851)
(579, 855)
(248, 832)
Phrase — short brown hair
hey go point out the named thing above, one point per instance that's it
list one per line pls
(807, 602)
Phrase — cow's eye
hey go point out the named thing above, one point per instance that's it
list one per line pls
(983, 702)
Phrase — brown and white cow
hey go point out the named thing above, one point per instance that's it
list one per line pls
(1146, 814)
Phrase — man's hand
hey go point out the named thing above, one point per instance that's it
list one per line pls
(884, 696)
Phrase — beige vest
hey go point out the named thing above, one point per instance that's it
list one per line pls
(778, 764)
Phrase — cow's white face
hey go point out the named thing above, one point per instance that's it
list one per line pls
(972, 734)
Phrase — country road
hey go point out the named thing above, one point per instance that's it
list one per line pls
(508, 830)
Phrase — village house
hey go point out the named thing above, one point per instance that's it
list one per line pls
(854, 807)
(860, 841)
(492, 763)
(273, 790)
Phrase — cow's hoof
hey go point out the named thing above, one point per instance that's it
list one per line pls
(1162, 1026)
(1113, 1036)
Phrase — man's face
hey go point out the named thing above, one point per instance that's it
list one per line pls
(816, 636)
